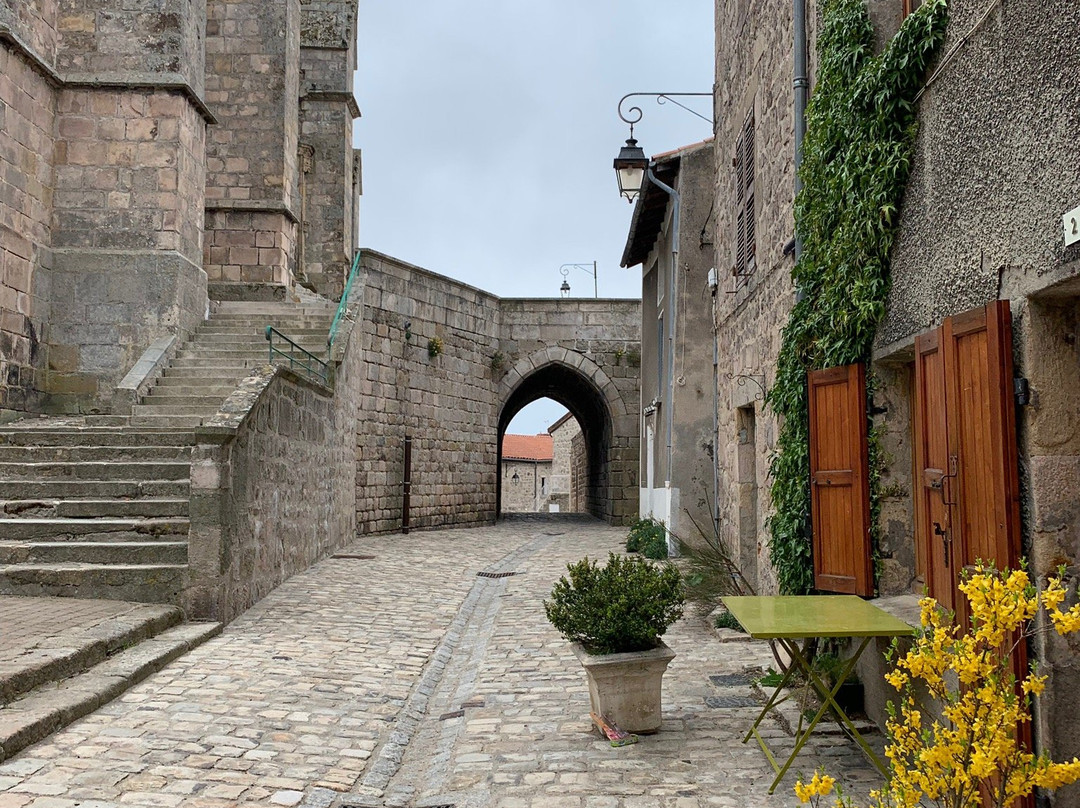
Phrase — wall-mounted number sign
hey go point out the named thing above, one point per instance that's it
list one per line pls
(1071, 220)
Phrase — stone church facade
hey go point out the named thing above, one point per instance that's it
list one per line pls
(154, 155)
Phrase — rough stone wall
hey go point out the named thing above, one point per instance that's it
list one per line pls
(252, 155)
(530, 492)
(579, 474)
(445, 403)
(327, 111)
(451, 404)
(103, 134)
(273, 487)
(27, 112)
(34, 23)
(751, 312)
(562, 439)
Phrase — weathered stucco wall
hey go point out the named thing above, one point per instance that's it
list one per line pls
(993, 172)
(688, 499)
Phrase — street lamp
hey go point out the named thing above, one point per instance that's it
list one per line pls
(590, 268)
(632, 166)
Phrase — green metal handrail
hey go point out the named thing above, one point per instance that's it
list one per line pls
(343, 304)
(299, 359)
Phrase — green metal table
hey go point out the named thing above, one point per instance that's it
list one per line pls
(788, 618)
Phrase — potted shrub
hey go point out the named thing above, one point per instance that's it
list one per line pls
(615, 616)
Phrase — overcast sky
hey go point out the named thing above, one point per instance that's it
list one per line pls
(489, 128)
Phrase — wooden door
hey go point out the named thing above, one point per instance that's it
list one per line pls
(967, 481)
(937, 556)
(840, 481)
(967, 492)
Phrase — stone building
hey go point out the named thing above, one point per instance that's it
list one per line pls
(977, 396)
(150, 150)
(526, 473)
(678, 383)
(563, 432)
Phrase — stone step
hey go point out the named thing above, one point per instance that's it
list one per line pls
(243, 331)
(154, 470)
(201, 384)
(202, 409)
(148, 507)
(55, 704)
(226, 308)
(144, 583)
(82, 454)
(86, 437)
(221, 366)
(188, 421)
(166, 399)
(90, 489)
(103, 553)
(72, 648)
(174, 528)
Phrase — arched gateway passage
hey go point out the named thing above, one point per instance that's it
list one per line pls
(447, 366)
(582, 386)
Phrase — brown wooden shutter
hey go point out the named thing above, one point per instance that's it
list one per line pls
(745, 224)
(749, 154)
(840, 481)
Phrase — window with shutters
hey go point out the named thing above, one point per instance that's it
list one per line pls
(745, 219)
(909, 6)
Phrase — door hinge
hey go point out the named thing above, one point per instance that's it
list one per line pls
(1022, 391)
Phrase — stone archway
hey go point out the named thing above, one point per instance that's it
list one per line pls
(592, 397)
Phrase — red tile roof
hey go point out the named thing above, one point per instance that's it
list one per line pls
(535, 448)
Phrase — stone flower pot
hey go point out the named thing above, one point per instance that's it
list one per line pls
(625, 688)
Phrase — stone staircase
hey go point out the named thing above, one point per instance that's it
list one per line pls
(209, 366)
(97, 506)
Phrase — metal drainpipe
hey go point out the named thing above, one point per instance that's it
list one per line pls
(802, 91)
(672, 286)
(716, 421)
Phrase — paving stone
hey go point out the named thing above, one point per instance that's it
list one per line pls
(331, 688)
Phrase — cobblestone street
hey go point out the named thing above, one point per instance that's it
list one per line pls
(404, 679)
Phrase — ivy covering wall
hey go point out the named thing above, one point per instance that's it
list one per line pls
(856, 157)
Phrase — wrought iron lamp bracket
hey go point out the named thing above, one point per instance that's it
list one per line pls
(634, 113)
(758, 379)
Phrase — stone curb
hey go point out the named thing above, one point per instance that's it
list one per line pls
(54, 705)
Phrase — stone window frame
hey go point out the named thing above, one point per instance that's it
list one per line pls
(745, 204)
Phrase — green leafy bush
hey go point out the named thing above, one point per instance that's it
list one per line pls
(648, 537)
(728, 620)
(626, 605)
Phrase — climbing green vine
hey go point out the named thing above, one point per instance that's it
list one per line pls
(856, 157)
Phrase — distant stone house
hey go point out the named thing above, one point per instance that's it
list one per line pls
(976, 362)
(526, 472)
(678, 385)
(561, 489)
